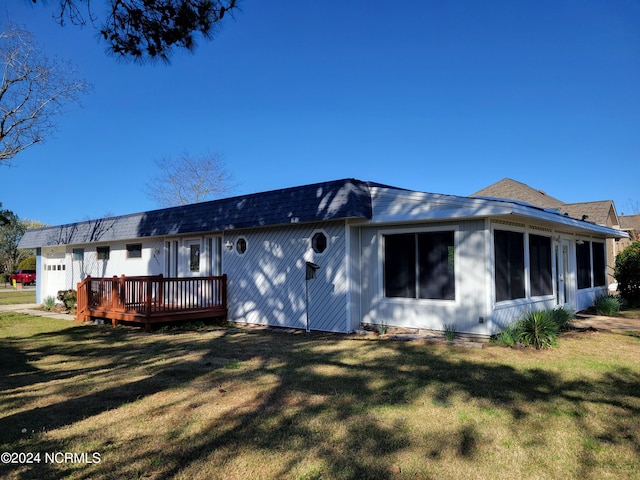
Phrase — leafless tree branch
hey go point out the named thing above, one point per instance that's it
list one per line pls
(189, 180)
(33, 91)
(73, 10)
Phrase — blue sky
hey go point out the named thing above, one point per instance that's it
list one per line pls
(436, 96)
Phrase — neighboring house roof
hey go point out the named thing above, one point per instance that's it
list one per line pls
(631, 224)
(601, 212)
(511, 189)
(339, 199)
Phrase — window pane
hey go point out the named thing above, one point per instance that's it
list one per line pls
(436, 267)
(194, 258)
(241, 246)
(400, 265)
(540, 265)
(599, 265)
(319, 242)
(134, 250)
(583, 262)
(78, 254)
(103, 253)
(509, 265)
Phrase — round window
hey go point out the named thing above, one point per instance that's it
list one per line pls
(319, 242)
(241, 246)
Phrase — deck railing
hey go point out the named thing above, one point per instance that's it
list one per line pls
(150, 296)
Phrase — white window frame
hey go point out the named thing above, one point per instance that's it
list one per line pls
(526, 231)
(427, 229)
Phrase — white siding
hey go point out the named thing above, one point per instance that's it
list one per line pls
(507, 312)
(61, 272)
(471, 274)
(267, 286)
(354, 278)
(586, 297)
(150, 263)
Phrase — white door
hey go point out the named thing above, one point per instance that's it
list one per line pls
(563, 274)
(54, 274)
(193, 265)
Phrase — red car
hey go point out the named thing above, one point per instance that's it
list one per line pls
(26, 277)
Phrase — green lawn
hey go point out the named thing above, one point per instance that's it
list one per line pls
(11, 296)
(234, 403)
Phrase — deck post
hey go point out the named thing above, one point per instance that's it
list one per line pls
(115, 296)
(160, 299)
(114, 292)
(83, 299)
(224, 295)
(147, 304)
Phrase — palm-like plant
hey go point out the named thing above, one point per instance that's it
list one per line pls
(561, 316)
(538, 329)
(607, 305)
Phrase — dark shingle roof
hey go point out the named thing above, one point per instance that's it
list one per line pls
(339, 199)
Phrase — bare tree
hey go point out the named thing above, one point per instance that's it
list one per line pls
(33, 90)
(150, 29)
(633, 207)
(189, 180)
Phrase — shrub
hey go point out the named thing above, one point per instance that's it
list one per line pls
(28, 263)
(607, 305)
(627, 273)
(538, 329)
(509, 336)
(68, 297)
(561, 316)
(49, 303)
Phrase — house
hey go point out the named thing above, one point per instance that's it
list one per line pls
(631, 225)
(601, 212)
(381, 255)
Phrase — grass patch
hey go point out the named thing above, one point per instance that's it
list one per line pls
(633, 313)
(9, 296)
(450, 332)
(233, 403)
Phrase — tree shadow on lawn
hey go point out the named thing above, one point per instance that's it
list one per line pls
(104, 351)
(314, 377)
(368, 443)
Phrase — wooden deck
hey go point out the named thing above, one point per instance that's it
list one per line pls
(151, 299)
